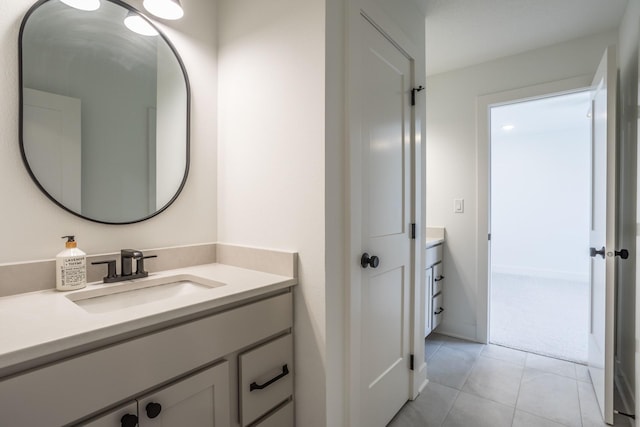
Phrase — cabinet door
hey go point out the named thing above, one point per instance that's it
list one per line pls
(124, 416)
(427, 301)
(283, 417)
(201, 400)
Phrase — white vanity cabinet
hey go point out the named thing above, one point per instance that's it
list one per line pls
(199, 400)
(125, 415)
(434, 304)
(192, 370)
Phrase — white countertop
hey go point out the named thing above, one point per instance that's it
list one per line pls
(435, 236)
(39, 324)
(432, 241)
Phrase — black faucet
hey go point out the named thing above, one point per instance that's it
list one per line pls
(126, 266)
(126, 257)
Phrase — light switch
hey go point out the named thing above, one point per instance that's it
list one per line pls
(458, 205)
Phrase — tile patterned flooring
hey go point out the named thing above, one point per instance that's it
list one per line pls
(477, 385)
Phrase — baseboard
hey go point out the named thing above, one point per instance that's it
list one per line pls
(423, 386)
(465, 331)
(459, 336)
(625, 389)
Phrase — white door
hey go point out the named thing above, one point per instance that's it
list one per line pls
(51, 136)
(602, 233)
(385, 145)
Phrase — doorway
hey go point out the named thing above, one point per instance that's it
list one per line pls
(540, 151)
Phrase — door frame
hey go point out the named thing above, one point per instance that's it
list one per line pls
(483, 170)
(382, 22)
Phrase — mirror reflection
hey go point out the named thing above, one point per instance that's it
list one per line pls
(105, 111)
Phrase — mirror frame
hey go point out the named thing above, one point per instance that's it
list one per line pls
(31, 10)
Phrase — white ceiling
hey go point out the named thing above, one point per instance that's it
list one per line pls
(466, 32)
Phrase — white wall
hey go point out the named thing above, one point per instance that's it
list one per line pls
(282, 160)
(31, 225)
(540, 181)
(271, 159)
(335, 215)
(452, 155)
(627, 334)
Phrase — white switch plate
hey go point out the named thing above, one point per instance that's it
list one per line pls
(458, 205)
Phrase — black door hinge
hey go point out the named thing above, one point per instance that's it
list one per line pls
(413, 93)
(413, 231)
(411, 362)
(489, 236)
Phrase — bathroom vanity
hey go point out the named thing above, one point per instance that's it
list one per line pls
(208, 345)
(434, 301)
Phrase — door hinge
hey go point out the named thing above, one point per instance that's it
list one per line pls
(413, 94)
(489, 236)
(411, 362)
(413, 231)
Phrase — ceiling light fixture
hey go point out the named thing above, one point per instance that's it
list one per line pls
(88, 5)
(138, 24)
(165, 9)
(508, 127)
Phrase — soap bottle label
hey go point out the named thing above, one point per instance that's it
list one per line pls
(73, 271)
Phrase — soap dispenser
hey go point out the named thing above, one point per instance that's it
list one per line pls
(71, 267)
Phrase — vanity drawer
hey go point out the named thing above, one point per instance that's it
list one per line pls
(266, 378)
(437, 311)
(438, 279)
(433, 255)
(283, 417)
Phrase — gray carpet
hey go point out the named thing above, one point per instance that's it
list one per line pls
(543, 316)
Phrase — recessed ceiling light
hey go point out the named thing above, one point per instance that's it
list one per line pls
(165, 9)
(138, 24)
(88, 5)
(508, 127)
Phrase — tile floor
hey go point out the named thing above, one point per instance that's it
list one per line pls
(477, 385)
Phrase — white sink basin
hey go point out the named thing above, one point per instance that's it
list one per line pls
(124, 295)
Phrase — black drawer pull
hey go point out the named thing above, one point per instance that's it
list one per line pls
(256, 386)
(440, 310)
(440, 277)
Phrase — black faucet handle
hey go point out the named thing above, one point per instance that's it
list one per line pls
(131, 253)
(111, 269)
(140, 264)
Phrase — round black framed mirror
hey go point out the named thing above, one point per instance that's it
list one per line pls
(104, 111)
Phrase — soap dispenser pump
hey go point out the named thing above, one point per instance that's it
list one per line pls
(71, 267)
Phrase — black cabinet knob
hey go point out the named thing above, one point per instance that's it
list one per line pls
(129, 420)
(367, 260)
(153, 409)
